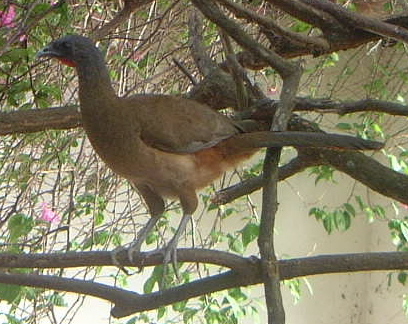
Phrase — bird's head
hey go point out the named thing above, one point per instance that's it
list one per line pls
(71, 50)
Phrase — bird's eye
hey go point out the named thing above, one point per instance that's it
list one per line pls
(66, 45)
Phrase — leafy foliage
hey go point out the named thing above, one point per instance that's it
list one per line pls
(338, 219)
(96, 207)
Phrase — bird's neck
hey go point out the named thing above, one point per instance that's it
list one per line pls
(95, 84)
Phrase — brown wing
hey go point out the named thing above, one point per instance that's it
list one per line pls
(179, 125)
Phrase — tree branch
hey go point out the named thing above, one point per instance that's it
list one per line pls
(198, 51)
(36, 120)
(360, 167)
(290, 74)
(315, 44)
(337, 41)
(347, 107)
(248, 186)
(354, 20)
(127, 302)
(129, 7)
(104, 258)
(306, 13)
(213, 13)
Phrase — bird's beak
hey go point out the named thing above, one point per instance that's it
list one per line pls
(47, 52)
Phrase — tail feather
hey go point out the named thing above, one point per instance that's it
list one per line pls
(242, 142)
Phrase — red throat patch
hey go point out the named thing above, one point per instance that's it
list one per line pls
(67, 62)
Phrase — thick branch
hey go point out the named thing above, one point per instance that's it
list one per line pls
(365, 169)
(347, 107)
(109, 293)
(355, 20)
(104, 258)
(248, 186)
(198, 51)
(266, 239)
(360, 167)
(316, 44)
(337, 42)
(374, 175)
(36, 120)
(130, 302)
(306, 13)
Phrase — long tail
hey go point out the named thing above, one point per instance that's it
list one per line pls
(247, 141)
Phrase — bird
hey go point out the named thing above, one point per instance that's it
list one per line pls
(167, 146)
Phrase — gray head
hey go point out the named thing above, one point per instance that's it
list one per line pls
(72, 50)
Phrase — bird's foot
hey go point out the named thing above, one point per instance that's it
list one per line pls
(114, 257)
(170, 253)
(134, 249)
(170, 258)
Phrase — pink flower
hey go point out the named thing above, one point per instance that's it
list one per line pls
(49, 215)
(22, 38)
(8, 16)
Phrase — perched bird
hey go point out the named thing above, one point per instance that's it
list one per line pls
(167, 146)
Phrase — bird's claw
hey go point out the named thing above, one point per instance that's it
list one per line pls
(170, 254)
(115, 261)
(133, 250)
(170, 257)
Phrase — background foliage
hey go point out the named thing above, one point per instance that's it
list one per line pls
(57, 196)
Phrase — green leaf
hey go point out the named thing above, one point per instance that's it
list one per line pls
(344, 126)
(301, 26)
(235, 244)
(99, 218)
(149, 285)
(189, 314)
(404, 230)
(350, 209)
(152, 238)
(360, 202)
(237, 294)
(19, 225)
(57, 300)
(156, 277)
(116, 239)
(13, 56)
(323, 172)
(180, 306)
(402, 277)
(9, 293)
(41, 8)
(328, 224)
(161, 312)
(342, 220)
(249, 233)
(294, 286)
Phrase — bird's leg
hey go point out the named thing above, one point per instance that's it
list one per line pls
(170, 252)
(189, 202)
(155, 205)
(141, 237)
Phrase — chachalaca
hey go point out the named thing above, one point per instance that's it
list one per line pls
(167, 146)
